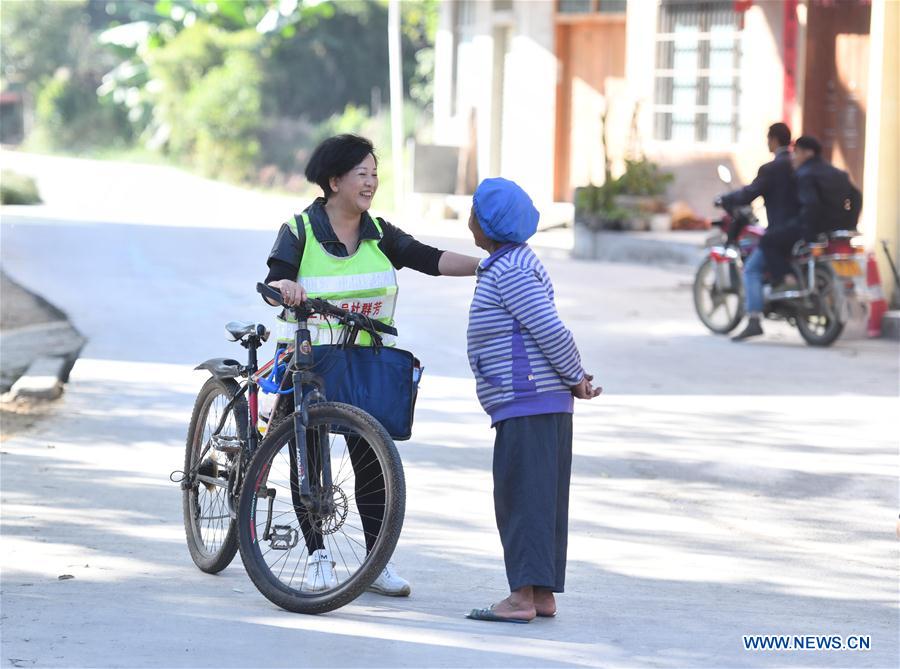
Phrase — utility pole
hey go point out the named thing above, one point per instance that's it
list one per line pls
(395, 65)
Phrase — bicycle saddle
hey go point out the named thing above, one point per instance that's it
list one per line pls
(240, 329)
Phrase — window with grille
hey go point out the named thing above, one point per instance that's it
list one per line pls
(590, 6)
(698, 52)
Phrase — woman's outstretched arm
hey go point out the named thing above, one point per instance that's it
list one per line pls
(404, 250)
(456, 264)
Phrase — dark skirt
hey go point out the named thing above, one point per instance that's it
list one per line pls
(532, 467)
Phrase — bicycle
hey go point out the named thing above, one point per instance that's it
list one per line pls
(298, 457)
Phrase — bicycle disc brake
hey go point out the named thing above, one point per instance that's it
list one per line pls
(331, 522)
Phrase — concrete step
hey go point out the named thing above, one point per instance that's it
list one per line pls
(646, 248)
(22, 347)
(43, 380)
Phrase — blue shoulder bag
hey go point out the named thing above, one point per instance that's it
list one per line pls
(381, 381)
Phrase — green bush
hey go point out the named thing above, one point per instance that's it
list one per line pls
(643, 177)
(224, 112)
(37, 38)
(599, 202)
(70, 115)
(209, 98)
(18, 189)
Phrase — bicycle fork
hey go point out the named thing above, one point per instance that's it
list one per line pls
(320, 474)
(310, 477)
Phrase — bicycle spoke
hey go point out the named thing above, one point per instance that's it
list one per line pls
(341, 554)
(358, 479)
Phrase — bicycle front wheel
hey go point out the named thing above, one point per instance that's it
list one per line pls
(719, 310)
(317, 558)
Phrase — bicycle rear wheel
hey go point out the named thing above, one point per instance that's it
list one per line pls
(210, 530)
(281, 541)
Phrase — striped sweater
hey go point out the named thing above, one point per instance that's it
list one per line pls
(523, 356)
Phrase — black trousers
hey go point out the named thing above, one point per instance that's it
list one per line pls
(369, 490)
(532, 468)
(776, 246)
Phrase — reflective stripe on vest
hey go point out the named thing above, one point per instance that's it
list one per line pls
(364, 282)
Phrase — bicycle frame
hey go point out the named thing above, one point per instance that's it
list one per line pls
(308, 388)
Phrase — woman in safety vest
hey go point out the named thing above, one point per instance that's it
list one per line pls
(336, 251)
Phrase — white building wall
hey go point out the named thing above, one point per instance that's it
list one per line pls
(529, 118)
(529, 88)
(452, 108)
(761, 100)
(527, 149)
(762, 84)
(443, 75)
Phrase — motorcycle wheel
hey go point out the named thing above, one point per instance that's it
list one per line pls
(820, 325)
(718, 310)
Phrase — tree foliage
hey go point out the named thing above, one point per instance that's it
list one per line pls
(207, 79)
(36, 38)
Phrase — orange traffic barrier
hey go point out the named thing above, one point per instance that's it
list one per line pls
(877, 303)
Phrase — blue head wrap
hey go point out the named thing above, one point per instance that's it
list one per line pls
(504, 211)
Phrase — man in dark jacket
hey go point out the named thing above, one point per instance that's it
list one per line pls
(828, 199)
(775, 183)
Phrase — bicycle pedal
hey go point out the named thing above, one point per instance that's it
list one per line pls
(283, 538)
(227, 444)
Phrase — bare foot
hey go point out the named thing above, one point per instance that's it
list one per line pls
(544, 603)
(514, 608)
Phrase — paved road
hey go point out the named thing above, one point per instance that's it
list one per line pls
(718, 490)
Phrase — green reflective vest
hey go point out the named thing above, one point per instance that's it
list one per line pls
(364, 282)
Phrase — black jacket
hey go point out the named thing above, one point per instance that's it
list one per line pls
(402, 249)
(775, 183)
(828, 200)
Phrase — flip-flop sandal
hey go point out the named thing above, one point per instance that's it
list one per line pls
(489, 615)
(547, 615)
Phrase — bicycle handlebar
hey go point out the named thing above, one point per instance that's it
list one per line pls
(314, 305)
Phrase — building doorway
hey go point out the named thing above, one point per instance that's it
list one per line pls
(836, 89)
(591, 51)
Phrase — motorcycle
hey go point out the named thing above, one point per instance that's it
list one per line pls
(825, 271)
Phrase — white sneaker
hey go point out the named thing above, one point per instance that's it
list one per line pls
(319, 572)
(390, 583)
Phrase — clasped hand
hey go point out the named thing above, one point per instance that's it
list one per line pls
(585, 389)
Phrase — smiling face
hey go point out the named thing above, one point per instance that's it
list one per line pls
(355, 189)
(482, 241)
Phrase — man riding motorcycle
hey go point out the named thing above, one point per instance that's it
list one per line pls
(775, 183)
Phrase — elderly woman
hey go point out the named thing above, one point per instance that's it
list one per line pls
(335, 250)
(528, 370)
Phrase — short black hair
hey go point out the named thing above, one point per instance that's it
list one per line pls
(335, 157)
(809, 143)
(780, 133)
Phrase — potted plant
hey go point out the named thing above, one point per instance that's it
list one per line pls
(596, 208)
(626, 203)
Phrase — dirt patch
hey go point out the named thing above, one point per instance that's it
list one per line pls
(20, 414)
(20, 307)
